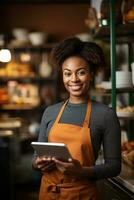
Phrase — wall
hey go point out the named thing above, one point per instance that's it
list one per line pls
(59, 20)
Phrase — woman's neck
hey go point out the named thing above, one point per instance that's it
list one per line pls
(78, 100)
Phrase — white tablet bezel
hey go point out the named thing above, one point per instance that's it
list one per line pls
(50, 149)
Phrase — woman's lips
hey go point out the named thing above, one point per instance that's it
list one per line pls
(75, 87)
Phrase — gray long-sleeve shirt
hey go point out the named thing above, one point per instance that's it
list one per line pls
(105, 130)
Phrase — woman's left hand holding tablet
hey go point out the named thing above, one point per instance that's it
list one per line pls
(45, 164)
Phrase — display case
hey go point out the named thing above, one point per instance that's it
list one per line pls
(123, 34)
(121, 187)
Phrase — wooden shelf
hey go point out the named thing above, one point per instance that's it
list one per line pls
(104, 91)
(28, 79)
(126, 117)
(98, 92)
(23, 107)
(18, 107)
(125, 90)
(26, 47)
(27, 136)
(124, 33)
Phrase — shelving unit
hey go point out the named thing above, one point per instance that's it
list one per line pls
(116, 188)
(28, 114)
(26, 110)
(123, 34)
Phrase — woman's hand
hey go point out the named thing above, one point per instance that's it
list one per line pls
(72, 167)
(44, 164)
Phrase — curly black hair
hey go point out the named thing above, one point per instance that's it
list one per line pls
(89, 51)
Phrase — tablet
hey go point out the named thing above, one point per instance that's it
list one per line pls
(58, 150)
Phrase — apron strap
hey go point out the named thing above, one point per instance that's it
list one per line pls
(61, 111)
(88, 112)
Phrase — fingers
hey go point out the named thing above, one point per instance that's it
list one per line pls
(62, 165)
(47, 168)
(45, 163)
(42, 159)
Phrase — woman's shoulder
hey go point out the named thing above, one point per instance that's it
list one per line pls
(102, 114)
(51, 112)
(102, 111)
(53, 109)
(100, 107)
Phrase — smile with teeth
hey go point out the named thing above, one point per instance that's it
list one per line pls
(75, 87)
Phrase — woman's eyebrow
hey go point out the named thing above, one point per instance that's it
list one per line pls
(82, 68)
(66, 69)
(85, 67)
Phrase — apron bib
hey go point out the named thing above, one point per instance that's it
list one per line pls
(57, 186)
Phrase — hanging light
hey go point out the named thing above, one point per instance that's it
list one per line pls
(5, 55)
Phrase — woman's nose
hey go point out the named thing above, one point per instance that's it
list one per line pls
(74, 77)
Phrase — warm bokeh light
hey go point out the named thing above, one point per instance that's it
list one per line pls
(5, 55)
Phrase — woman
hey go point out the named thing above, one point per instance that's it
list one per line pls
(83, 125)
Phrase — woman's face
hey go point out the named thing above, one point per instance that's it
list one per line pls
(76, 76)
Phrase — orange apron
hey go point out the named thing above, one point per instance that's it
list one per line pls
(57, 186)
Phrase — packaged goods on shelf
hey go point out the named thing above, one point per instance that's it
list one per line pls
(128, 153)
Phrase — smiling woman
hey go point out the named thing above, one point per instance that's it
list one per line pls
(75, 53)
(76, 78)
(83, 125)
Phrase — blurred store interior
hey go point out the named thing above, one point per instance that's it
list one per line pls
(29, 29)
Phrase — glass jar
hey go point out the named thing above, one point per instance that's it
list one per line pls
(105, 12)
(102, 8)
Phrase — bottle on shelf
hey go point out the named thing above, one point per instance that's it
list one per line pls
(105, 12)
(45, 68)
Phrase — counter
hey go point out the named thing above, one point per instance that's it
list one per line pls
(126, 178)
(120, 187)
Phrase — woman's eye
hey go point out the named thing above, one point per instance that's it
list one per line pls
(67, 74)
(83, 72)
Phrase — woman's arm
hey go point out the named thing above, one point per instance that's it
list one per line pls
(111, 147)
(43, 164)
